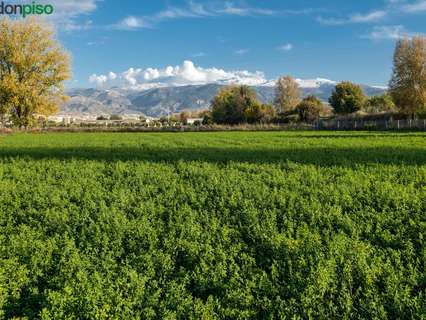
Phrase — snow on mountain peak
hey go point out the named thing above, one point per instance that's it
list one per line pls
(314, 83)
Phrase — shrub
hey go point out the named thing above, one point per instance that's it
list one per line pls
(309, 109)
(115, 117)
(376, 104)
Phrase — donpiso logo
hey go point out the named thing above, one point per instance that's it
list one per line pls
(25, 9)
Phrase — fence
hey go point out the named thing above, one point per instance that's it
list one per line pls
(371, 125)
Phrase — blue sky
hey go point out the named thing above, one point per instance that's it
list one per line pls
(133, 42)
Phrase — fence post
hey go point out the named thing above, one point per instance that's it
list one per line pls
(397, 124)
(338, 124)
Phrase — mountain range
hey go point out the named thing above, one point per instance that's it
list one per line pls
(160, 101)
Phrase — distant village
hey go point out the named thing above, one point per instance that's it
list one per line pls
(123, 120)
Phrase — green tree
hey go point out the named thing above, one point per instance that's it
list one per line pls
(408, 83)
(381, 103)
(309, 109)
(287, 94)
(33, 67)
(257, 113)
(115, 117)
(347, 98)
(230, 105)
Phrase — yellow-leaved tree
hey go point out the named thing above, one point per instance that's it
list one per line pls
(408, 84)
(33, 68)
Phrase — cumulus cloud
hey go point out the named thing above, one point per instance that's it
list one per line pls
(101, 80)
(185, 74)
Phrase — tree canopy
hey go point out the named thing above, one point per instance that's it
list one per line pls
(309, 109)
(287, 94)
(33, 67)
(238, 104)
(347, 97)
(381, 103)
(408, 83)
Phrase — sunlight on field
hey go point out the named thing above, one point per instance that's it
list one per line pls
(213, 225)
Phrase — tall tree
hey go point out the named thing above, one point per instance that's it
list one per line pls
(408, 83)
(347, 98)
(287, 94)
(33, 67)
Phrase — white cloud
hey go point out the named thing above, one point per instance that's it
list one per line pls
(355, 18)
(101, 80)
(369, 17)
(131, 23)
(241, 52)
(197, 10)
(185, 74)
(389, 32)
(198, 55)
(419, 6)
(286, 47)
(232, 9)
(112, 75)
(67, 13)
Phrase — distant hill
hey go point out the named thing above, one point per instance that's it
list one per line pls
(162, 101)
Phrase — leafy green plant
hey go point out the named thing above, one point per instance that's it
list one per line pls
(234, 225)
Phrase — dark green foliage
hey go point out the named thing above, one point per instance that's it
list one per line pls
(376, 104)
(213, 226)
(115, 117)
(102, 118)
(347, 98)
(236, 105)
(259, 113)
(309, 109)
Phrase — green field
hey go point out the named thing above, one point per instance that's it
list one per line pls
(213, 226)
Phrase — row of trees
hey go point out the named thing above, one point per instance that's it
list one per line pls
(406, 94)
(239, 104)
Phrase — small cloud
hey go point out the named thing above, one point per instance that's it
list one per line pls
(198, 55)
(73, 26)
(132, 23)
(101, 80)
(285, 47)
(231, 9)
(389, 33)
(99, 42)
(356, 18)
(241, 52)
(419, 6)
